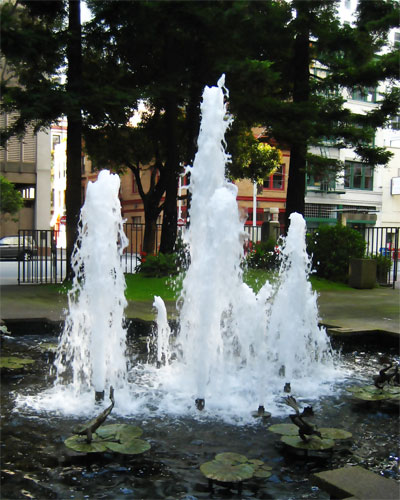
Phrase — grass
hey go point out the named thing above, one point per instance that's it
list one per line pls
(324, 285)
(140, 288)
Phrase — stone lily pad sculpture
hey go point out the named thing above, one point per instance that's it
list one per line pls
(373, 393)
(14, 363)
(94, 437)
(120, 438)
(284, 429)
(326, 432)
(231, 467)
(47, 347)
(90, 427)
(313, 444)
(227, 472)
(291, 438)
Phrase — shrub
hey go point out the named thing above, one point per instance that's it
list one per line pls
(331, 248)
(383, 266)
(264, 255)
(159, 265)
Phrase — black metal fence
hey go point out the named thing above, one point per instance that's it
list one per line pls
(44, 262)
(383, 244)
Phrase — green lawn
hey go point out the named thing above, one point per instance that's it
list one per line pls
(141, 288)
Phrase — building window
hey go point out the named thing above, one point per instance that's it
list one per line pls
(136, 219)
(358, 176)
(397, 39)
(364, 95)
(276, 180)
(134, 185)
(28, 193)
(320, 211)
(259, 216)
(395, 123)
(56, 140)
(322, 182)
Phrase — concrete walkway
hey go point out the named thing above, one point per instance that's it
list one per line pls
(344, 311)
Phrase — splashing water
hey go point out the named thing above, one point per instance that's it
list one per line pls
(163, 332)
(234, 349)
(91, 352)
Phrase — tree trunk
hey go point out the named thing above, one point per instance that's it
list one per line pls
(170, 216)
(301, 94)
(74, 144)
(296, 183)
(149, 238)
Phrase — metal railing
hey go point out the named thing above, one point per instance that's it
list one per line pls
(44, 262)
(383, 244)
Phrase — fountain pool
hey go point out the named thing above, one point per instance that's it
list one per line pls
(37, 464)
(233, 349)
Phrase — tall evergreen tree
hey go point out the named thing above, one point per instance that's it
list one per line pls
(74, 118)
(167, 64)
(36, 36)
(314, 110)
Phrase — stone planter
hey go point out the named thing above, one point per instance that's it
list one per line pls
(362, 273)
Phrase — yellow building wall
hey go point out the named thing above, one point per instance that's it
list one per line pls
(132, 204)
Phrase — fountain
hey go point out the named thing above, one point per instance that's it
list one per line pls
(235, 349)
(91, 351)
(233, 352)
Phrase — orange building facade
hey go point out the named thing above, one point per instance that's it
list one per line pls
(268, 200)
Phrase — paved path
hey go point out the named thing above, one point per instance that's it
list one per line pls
(347, 310)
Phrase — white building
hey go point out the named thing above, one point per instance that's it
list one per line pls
(361, 196)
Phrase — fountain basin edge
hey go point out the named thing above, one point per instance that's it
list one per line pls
(137, 327)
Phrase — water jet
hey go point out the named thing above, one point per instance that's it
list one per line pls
(232, 347)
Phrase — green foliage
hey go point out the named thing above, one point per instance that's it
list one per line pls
(251, 158)
(383, 266)
(32, 36)
(159, 265)
(11, 200)
(332, 247)
(263, 255)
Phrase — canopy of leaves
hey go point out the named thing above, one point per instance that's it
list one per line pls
(11, 200)
(32, 37)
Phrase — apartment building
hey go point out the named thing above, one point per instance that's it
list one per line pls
(360, 196)
(27, 163)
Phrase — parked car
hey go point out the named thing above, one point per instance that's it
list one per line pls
(19, 248)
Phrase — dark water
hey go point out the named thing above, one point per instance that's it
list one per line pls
(36, 464)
